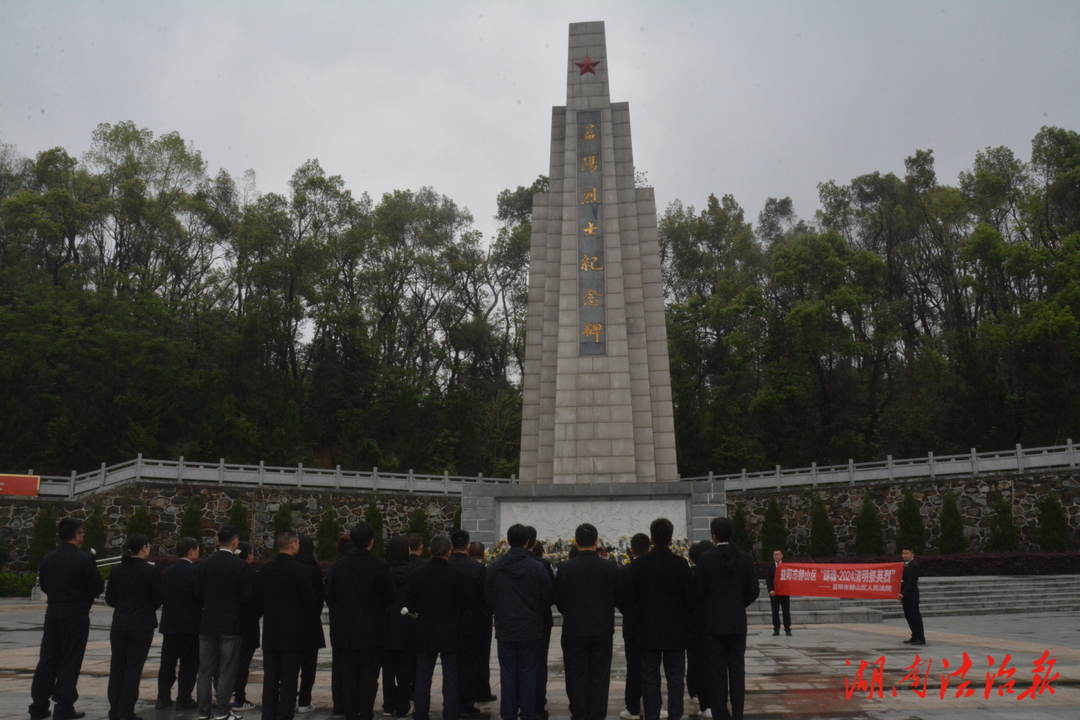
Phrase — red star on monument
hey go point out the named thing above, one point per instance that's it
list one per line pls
(589, 65)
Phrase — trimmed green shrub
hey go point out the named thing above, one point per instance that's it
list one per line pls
(374, 517)
(822, 536)
(1004, 534)
(912, 533)
(741, 535)
(952, 539)
(774, 533)
(418, 523)
(326, 535)
(12, 585)
(869, 534)
(282, 518)
(6, 549)
(238, 519)
(141, 522)
(191, 520)
(1054, 531)
(96, 536)
(43, 538)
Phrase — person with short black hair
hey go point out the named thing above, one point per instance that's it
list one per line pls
(518, 590)
(135, 593)
(359, 588)
(416, 549)
(695, 650)
(179, 628)
(639, 545)
(224, 587)
(724, 585)
(249, 634)
(778, 602)
(287, 599)
(70, 580)
(475, 575)
(909, 598)
(477, 551)
(586, 591)
(537, 549)
(310, 663)
(399, 658)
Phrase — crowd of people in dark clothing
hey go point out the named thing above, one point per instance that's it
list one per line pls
(398, 617)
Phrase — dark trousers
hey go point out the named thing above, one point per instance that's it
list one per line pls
(542, 672)
(484, 673)
(281, 671)
(243, 670)
(219, 656)
(63, 644)
(517, 672)
(469, 670)
(398, 679)
(695, 662)
(633, 676)
(780, 602)
(674, 662)
(425, 668)
(587, 659)
(913, 617)
(129, 650)
(725, 674)
(335, 681)
(360, 681)
(185, 649)
(308, 665)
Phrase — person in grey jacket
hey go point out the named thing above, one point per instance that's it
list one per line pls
(518, 590)
(135, 591)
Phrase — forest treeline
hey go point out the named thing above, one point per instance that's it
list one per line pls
(146, 306)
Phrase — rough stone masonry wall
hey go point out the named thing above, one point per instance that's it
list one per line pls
(975, 497)
(166, 503)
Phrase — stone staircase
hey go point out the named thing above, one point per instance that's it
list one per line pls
(983, 595)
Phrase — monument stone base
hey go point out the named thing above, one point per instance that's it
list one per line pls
(616, 509)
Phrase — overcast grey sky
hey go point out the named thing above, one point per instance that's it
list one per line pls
(762, 99)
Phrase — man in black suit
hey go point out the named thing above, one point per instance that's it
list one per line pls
(639, 545)
(359, 590)
(909, 598)
(475, 575)
(440, 596)
(660, 590)
(286, 597)
(223, 587)
(477, 551)
(778, 602)
(586, 590)
(180, 616)
(135, 592)
(537, 550)
(724, 585)
(70, 579)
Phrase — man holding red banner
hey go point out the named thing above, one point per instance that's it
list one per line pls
(909, 597)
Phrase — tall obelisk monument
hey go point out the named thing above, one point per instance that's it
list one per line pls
(597, 387)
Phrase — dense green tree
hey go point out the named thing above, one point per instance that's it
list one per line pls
(373, 515)
(910, 532)
(742, 535)
(96, 534)
(822, 535)
(1004, 532)
(952, 539)
(239, 519)
(774, 531)
(327, 533)
(191, 520)
(43, 538)
(869, 533)
(1055, 535)
(283, 519)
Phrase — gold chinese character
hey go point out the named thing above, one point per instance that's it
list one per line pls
(591, 298)
(590, 132)
(589, 196)
(588, 262)
(589, 163)
(591, 229)
(593, 330)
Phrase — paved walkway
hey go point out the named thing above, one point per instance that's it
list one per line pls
(802, 676)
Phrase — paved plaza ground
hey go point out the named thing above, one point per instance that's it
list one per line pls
(802, 676)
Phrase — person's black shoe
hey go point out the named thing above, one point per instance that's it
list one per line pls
(469, 711)
(918, 642)
(40, 717)
(540, 715)
(186, 704)
(909, 641)
(775, 632)
(489, 698)
(71, 716)
(163, 703)
(788, 632)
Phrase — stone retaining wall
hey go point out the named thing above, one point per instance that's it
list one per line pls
(166, 502)
(975, 497)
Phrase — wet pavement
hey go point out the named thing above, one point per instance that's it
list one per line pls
(802, 676)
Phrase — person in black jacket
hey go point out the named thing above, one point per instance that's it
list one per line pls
(135, 592)
(223, 587)
(537, 550)
(249, 635)
(70, 579)
(724, 585)
(660, 587)
(639, 545)
(359, 590)
(695, 650)
(586, 590)
(308, 667)
(518, 591)
(399, 660)
(909, 598)
(287, 600)
(344, 547)
(778, 602)
(476, 553)
(180, 614)
(440, 597)
(475, 575)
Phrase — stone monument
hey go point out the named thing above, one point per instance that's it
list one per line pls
(598, 436)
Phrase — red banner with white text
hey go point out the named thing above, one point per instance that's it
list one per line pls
(19, 484)
(877, 580)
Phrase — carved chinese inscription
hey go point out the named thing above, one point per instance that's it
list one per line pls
(592, 336)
